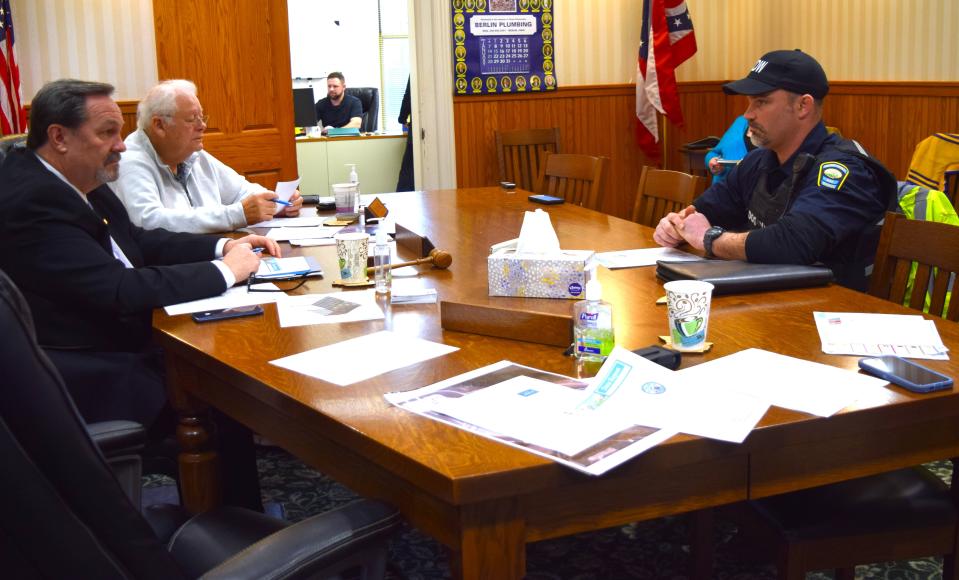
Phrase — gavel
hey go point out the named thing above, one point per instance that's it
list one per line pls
(440, 259)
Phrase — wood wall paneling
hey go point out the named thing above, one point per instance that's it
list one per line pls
(238, 54)
(889, 119)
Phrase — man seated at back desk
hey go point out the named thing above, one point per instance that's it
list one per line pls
(338, 109)
(168, 181)
(91, 278)
(804, 196)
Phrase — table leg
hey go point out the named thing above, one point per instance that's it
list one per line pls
(492, 542)
(199, 483)
(701, 543)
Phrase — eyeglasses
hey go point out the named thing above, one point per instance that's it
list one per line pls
(300, 280)
(197, 119)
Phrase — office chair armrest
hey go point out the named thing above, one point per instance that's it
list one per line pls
(117, 437)
(350, 536)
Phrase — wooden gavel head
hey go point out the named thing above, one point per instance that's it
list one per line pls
(440, 259)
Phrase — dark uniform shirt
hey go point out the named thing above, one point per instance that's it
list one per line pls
(829, 217)
(331, 116)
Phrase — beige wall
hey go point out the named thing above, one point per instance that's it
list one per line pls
(100, 40)
(855, 40)
(596, 40)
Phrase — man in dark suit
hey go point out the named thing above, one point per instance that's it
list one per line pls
(92, 278)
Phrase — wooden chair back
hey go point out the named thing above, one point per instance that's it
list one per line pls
(934, 247)
(521, 154)
(573, 177)
(662, 191)
(951, 186)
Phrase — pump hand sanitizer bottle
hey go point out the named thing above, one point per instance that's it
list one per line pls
(355, 180)
(593, 323)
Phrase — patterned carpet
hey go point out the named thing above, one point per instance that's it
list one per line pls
(656, 549)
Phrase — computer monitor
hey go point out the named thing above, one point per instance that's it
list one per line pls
(304, 109)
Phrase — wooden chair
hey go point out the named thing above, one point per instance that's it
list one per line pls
(662, 191)
(897, 515)
(521, 154)
(934, 247)
(951, 186)
(573, 177)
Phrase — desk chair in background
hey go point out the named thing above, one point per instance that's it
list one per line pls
(899, 515)
(521, 154)
(64, 514)
(662, 191)
(370, 99)
(573, 177)
(8, 142)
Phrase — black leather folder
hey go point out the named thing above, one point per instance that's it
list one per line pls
(733, 276)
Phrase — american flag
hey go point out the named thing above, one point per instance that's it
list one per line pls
(667, 41)
(13, 117)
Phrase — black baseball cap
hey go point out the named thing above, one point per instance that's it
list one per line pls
(792, 70)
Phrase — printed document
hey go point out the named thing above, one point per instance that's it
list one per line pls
(631, 386)
(364, 357)
(788, 382)
(643, 257)
(535, 411)
(862, 334)
(307, 217)
(303, 309)
(232, 298)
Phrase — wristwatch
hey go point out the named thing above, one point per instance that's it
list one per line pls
(709, 237)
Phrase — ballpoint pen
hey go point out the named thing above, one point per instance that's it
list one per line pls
(281, 202)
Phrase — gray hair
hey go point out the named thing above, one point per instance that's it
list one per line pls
(61, 102)
(160, 101)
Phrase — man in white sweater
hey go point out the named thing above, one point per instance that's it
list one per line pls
(168, 181)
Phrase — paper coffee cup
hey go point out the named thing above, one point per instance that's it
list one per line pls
(687, 302)
(351, 251)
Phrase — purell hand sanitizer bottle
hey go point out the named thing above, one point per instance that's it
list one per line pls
(593, 323)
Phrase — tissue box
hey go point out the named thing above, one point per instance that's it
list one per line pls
(558, 275)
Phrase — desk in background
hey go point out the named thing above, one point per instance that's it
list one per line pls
(486, 500)
(322, 162)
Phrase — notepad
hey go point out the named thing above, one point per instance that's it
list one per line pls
(286, 267)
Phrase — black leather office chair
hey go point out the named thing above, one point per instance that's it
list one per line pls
(63, 513)
(370, 98)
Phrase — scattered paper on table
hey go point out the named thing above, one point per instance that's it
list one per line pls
(864, 334)
(596, 458)
(787, 382)
(629, 385)
(301, 310)
(307, 217)
(642, 257)
(412, 295)
(285, 234)
(364, 357)
(232, 298)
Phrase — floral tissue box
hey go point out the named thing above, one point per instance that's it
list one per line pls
(555, 275)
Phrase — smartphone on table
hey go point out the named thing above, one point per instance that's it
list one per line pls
(905, 373)
(224, 313)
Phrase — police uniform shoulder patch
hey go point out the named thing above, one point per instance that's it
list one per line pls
(832, 174)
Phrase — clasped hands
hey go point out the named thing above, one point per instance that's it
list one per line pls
(686, 226)
(239, 256)
(262, 206)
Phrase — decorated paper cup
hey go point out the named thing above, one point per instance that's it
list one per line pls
(688, 305)
(351, 250)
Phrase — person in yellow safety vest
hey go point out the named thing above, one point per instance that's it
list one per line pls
(921, 203)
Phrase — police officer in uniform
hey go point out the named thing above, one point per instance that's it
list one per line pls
(804, 196)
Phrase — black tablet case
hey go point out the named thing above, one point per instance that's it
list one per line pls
(734, 276)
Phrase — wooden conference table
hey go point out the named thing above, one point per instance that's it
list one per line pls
(486, 500)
